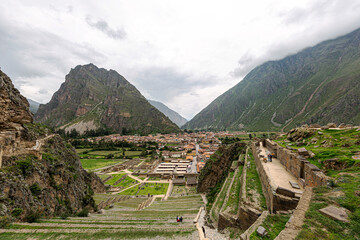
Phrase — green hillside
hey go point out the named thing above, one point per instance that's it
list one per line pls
(317, 85)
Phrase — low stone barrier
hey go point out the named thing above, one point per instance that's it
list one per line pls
(254, 226)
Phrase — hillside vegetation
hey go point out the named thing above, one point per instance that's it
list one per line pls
(317, 85)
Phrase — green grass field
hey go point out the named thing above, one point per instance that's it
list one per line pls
(91, 164)
(148, 188)
(115, 178)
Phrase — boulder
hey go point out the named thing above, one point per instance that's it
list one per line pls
(314, 140)
(342, 125)
(331, 125)
(101, 211)
(334, 164)
(315, 126)
(3, 209)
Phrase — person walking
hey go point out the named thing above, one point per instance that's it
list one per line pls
(181, 219)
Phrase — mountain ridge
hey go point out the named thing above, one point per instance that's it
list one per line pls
(92, 98)
(317, 85)
(171, 114)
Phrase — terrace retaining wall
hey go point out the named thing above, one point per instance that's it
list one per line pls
(275, 200)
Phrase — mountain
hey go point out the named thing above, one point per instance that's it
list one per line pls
(34, 106)
(174, 116)
(40, 174)
(94, 98)
(319, 85)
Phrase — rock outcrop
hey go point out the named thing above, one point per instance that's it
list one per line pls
(14, 107)
(93, 98)
(40, 174)
(218, 167)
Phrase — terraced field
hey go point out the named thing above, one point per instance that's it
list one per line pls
(122, 221)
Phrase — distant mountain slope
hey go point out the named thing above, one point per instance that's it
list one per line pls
(174, 116)
(320, 84)
(93, 98)
(34, 106)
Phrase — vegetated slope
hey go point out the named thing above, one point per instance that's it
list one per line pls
(174, 116)
(317, 85)
(34, 106)
(39, 172)
(93, 98)
(337, 153)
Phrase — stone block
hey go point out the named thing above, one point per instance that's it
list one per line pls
(261, 231)
(303, 152)
(294, 184)
(285, 192)
(335, 213)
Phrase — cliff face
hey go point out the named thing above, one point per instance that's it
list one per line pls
(217, 167)
(93, 98)
(39, 172)
(14, 107)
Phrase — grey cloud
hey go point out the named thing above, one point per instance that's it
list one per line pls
(103, 26)
(166, 83)
(27, 56)
(317, 9)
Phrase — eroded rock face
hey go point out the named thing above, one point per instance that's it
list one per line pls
(14, 107)
(39, 172)
(214, 171)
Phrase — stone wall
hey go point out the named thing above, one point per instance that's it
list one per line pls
(307, 173)
(246, 217)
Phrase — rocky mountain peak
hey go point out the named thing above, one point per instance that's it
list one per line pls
(14, 107)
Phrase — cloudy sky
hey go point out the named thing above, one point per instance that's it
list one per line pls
(183, 53)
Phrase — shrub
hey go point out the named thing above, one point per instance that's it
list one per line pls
(5, 221)
(64, 215)
(33, 217)
(25, 166)
(17, 212)
(83, 213)
(35, 189)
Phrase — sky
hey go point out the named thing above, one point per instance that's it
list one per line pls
(182, 53)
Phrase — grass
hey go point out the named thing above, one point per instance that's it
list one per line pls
(115, 178)
(127, 182)
(273, 224)
(221, 198)
(234, 197)
(126, 234)
(91, 164)
(154, 189)
(147, 188)
(253, 183)
(318, 226)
